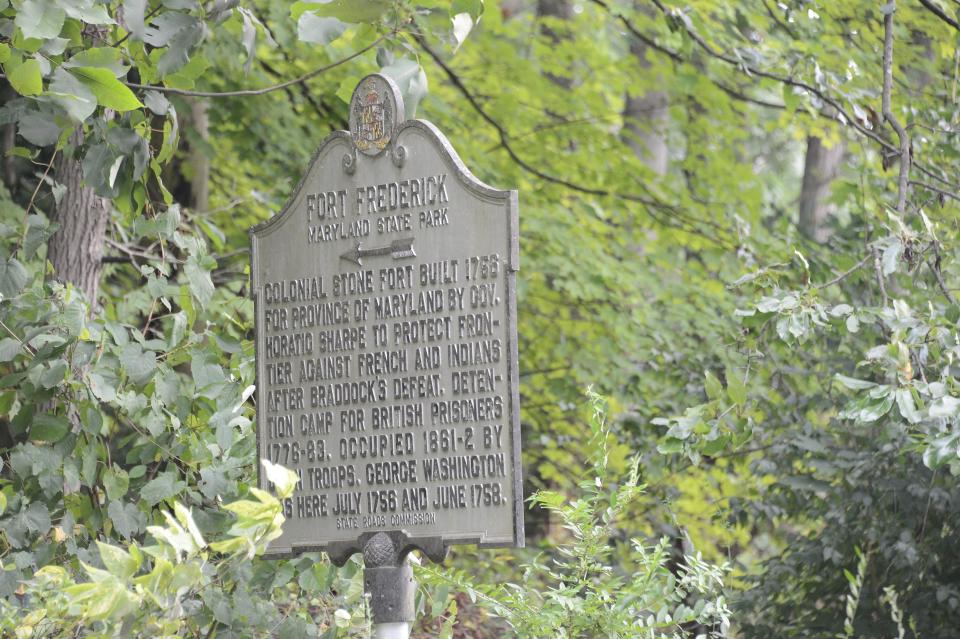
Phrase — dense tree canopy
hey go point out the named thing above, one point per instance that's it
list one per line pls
(738, 225)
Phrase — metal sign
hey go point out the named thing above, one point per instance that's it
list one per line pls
(386, 341)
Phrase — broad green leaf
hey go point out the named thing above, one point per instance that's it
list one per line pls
(411, 79)
(99, 57)
(72, 95)
(13, 277)
(117, 482)
(39, 129)
(712, 386)
(9, 349)
(346, 10)
(906, 405)
(736, 390)
(4, 53)
(283, 479)
(118, 561)
(462, 25)
(201, 286)
(134, 12)
(40, 19)
(852, 383)
(139, 365)
(26, 78)
(127, 518)
(49, 428)
(474, 8)
(165, 486)
(86, 11)
(110, 92)
(54, 375)
(314, 29)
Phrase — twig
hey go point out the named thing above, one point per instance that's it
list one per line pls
(264, 90)
(33, 197)
(935, 189)
(935, 10)
(652, 204)
(845, 274)
(935, 267)
(903, 184)
(750, 70)
(878, 269)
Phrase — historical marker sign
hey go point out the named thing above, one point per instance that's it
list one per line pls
(386, 340)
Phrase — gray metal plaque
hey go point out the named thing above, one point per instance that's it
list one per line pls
(386, 341)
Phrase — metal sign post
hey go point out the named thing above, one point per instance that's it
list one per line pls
(386, 346)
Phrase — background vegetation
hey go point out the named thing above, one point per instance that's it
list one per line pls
(739, 225)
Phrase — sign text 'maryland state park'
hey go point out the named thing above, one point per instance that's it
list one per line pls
(386, 340)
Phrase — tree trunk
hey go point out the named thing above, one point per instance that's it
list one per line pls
(199, 162)
(820, 168)
(76, 249)
(646, 118)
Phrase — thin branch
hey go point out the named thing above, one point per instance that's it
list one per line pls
(264, 90)
(653, 205)
(741, 64)
(853, 269)
(878, 269)
(33, 197)
(930, 187)
(935, 10)
(903, 184)
(935, 267)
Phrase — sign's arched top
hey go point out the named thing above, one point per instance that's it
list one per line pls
(376, 108)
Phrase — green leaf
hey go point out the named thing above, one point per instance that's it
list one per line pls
(39, 129)
(13, 277)
(109, 91)
(853, 384)
(54, 375)
(99, 57)
(26, 78)
(201, 286)
(9, 349)
(736, 390)
(134, 12)
(906, 405)
(118, 561)
(472, 7)
(139, 365)
(712, 386)
(49, 428)
(283, 479)
(86, 11)
(127, 518)
(346, 10)
(164, 486)
(4, 53)
(72, 95)
(411, 79)
(314, 29)
(117, 482)
(40, 19)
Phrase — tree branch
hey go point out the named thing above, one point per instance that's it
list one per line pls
(653, 205)
(904, 182)
(930, 187)
(264, 90)
(738, 63)
(853, 269)
(935, 10)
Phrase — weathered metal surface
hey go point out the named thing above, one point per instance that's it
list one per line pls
(386, 341)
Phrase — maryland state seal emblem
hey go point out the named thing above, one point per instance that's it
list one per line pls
(374, 110)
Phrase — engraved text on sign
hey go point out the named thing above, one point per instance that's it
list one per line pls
(386, 339)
